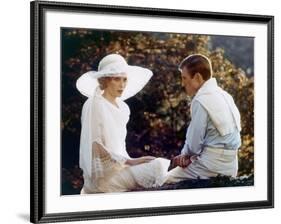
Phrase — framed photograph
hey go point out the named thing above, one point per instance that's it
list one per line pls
(119, 124)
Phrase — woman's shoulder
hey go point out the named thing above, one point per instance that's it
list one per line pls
(95, 103)
(124, 105)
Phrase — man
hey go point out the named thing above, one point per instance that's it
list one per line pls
(213, 136)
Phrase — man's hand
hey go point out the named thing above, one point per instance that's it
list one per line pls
(143, 159)
(180, 160)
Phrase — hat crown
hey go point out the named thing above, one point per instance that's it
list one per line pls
(112, 60)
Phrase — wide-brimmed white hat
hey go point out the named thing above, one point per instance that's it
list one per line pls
(110, 66)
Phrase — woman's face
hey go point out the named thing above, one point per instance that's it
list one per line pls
(116, 85)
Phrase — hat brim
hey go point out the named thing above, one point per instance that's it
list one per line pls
(137, 78)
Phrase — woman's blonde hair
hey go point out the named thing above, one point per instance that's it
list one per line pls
(103, 82)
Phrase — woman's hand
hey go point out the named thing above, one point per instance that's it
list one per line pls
(140, 160)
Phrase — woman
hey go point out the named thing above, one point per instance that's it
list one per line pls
(106, 165)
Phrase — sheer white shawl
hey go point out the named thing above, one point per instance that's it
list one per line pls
(105, 124)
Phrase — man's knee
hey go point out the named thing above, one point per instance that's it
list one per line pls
(178, 174)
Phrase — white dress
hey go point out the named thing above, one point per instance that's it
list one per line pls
(103, 151)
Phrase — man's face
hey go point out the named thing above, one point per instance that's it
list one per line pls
(191, 85)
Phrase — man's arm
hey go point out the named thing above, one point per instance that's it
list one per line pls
(194, 137)
(196, 131)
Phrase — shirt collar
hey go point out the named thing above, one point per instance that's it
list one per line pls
(209, 86)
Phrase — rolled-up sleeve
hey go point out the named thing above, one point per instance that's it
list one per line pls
(196, 131)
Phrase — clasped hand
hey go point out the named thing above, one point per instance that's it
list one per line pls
(180, 160)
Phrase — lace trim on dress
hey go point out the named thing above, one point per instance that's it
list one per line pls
(103, 164)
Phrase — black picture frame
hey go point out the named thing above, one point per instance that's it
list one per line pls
(38, 121)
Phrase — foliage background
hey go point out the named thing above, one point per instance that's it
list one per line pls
(159, 113)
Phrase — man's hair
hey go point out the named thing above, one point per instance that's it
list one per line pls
(197, 63)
